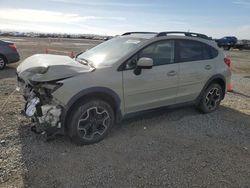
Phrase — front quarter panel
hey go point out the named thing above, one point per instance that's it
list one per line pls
(100, 78)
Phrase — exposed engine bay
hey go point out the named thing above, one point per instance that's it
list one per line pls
(41, 107)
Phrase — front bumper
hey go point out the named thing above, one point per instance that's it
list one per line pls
(47, 116)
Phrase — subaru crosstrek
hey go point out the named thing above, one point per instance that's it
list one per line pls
(85, 96)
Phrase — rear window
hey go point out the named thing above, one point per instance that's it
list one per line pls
(190, 50)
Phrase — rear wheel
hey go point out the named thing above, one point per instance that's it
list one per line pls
(2, 63)
(211, 98)
(91, 121)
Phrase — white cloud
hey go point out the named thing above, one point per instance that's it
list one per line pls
(72, 28)
(30, 15)
(60, 22)
(244, 31)
(53, 21)
(105, 3)
(245, 3)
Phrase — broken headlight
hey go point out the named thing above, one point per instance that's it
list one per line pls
(52, 86)
(40, 70)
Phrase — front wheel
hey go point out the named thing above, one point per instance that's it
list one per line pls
(211, 98)
(91, 121)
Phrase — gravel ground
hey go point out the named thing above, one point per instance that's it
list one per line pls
(161, 148)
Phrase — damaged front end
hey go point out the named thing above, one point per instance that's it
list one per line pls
(38, 77)
(41, 107)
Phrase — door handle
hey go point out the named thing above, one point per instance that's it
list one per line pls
(208, 67)
(172, 73)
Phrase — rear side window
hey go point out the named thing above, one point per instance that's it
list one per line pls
(189, 50)
(213, 52)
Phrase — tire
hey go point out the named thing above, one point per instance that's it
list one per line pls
(90, 122)
(211, 98)
(2, 63)
(227, 48)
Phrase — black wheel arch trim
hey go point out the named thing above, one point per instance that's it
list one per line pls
(87, 92)
(211, 80)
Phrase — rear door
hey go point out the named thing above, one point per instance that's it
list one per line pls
(196, 67)
(153, 87)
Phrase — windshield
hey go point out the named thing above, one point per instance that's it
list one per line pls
(110, 51)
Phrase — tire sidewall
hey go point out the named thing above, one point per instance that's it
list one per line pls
(78, 112)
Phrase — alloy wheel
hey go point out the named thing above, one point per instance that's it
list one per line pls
(213, 98)
(93, 122)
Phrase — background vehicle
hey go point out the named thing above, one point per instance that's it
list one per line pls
(244, 45)
(8, 53)
(229, 42)
(137, 71)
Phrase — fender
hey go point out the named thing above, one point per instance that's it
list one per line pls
(211, 80)
(89, 91)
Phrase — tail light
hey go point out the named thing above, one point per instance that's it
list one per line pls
(227, 61)
(12, 46)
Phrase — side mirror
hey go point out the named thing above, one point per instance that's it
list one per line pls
(143, 63)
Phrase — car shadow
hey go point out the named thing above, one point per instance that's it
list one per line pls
(241, 94)
(61, 164)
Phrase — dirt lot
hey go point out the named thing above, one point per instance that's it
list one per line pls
(162, 148)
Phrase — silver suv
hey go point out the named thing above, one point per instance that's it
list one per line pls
(85, 96)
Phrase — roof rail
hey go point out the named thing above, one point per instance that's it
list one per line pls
(131, 33)
(189, 34)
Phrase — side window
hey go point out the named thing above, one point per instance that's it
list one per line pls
(190, 50)
(213, 52)
(161, 52)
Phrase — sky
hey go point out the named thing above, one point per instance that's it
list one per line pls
(216, 18)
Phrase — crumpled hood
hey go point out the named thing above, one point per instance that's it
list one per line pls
(47, 67)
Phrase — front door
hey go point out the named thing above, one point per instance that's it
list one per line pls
(153, 87)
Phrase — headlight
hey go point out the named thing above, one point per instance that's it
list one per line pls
(52, 86)
(40, 70)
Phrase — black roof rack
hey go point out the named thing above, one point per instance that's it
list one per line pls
(131, 33)
(162, 34)
(189, 34)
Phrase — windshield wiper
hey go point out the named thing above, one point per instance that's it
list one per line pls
(82, 61)
(85, 62)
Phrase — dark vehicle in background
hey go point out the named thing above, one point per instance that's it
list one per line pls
(245, 44)
(229, 42)
(8, 53)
